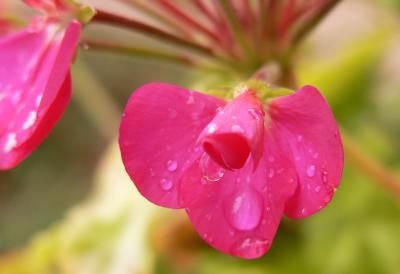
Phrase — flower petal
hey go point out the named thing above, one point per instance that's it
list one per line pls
(158, 134)
(240, 213)
(305, 120)
(235, 132)
(34, 86)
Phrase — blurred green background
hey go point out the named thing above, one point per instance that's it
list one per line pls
(69, 208)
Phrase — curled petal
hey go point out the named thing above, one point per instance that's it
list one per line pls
(240, 212)
(305, 120)
(158, 134)
(34, 86)
(235, 132)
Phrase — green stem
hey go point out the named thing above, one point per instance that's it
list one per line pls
(140, 52)
(371, 167)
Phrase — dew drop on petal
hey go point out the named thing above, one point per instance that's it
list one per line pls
(304, 211)
(251, 247)
(172, 113)
(166, 184)
(271, 173)
(244, 209)
(210, 170)
(11, 142)
(30, 121)
(172, 165)
(254, 113)
(190, 99)
(299, 138)
(311, 171)
(237, 129)
(317, 189)
(211, 128)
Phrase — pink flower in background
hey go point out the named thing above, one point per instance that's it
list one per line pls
(236, 167)
(35, 84)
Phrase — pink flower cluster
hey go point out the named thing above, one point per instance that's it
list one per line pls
(237, 167)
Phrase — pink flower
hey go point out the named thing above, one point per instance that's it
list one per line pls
(236, 167)
(35, 84)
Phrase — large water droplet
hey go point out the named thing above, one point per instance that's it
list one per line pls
(172, 165)
(311, 171)
(211, 171)
(166, 184)
(244, 209)
(251, 247)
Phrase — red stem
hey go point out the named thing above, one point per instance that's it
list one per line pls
(114, 19)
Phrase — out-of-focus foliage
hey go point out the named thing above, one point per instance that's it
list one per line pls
(117, 231)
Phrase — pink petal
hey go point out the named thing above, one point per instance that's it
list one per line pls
(240, 213)
(305, 120)
(34, 86)
(235, 132)
(47, 5)
(158, 134)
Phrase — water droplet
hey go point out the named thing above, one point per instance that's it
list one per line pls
(316, 155)
(30, 121)
(304, 211)
(85, 46)
(271, 159)
(11, 142)
(251, 247)
(190, 99)
(324, 176)
(210, 170)
(172, 113)
(299, 138)
(237, 129)
(211, 128)
(39, 100)
(311, 171)
(172, 165)
(244, 209)
(317, 189)
(255, 113)
(166, 184)
(327, 198)
(271, 173)
(219, 110)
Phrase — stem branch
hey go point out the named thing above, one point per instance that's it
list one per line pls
(105, 17)
(371, 167)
